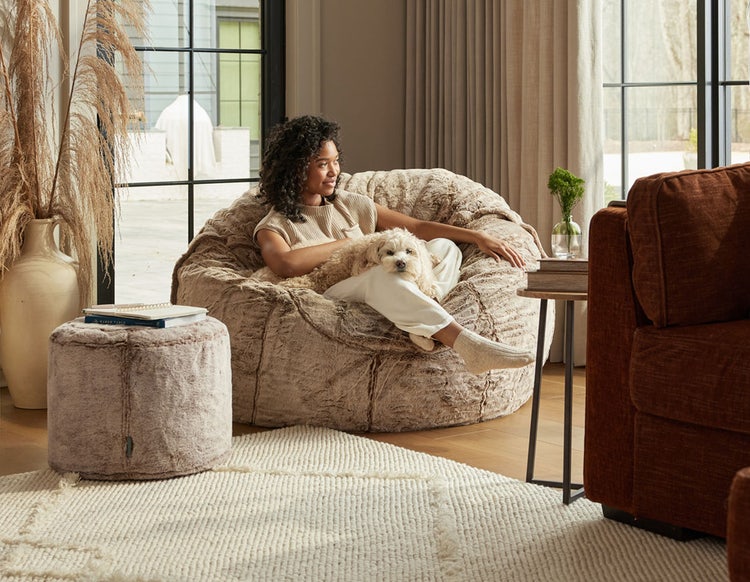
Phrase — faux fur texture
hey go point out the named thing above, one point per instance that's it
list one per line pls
(130, 402)
(299, 358)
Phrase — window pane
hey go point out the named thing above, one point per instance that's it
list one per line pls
(661, 47)
(150, 235)
(229, 25)
(739, 18)
(229, 71)
(612, 145)
(237, 152)
(739, 70)
(740, 121)
(160, 142)
(202, 87)
(168, 23)
(611, 41)
(661, 130)
(238, 133)
(226, 122)
(210, 198)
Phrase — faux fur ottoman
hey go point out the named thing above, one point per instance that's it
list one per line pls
(129, 402)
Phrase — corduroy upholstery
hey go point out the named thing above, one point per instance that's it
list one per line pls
(738, 528)
(668, 351)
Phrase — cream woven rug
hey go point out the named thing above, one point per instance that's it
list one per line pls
(316, 504)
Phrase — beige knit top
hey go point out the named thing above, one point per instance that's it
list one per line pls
(348, 216)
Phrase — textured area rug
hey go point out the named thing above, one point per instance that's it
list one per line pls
(306, 503)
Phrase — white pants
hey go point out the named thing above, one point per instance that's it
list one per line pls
(400, 300)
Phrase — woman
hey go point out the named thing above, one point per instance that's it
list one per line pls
(309, 219)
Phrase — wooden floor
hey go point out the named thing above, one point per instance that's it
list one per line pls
(499, 445)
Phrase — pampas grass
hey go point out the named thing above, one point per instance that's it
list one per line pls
(67, 174)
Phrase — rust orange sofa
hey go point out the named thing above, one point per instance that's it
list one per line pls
(738, 527)
(668, 352)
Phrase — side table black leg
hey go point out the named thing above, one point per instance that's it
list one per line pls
(537, 390)
(568, 494)
(567, 442)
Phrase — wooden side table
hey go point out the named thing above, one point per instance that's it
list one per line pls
(571, 491)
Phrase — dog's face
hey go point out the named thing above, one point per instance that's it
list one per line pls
(397, 257)
(401, 252)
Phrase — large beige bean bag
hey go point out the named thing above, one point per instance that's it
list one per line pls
(298, 358)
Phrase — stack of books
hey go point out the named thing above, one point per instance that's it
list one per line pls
(147, 314)
(564, 275)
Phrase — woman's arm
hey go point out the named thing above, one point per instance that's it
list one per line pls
(427, 230)
(285, 262)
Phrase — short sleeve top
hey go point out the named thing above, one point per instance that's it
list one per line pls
(348, 216)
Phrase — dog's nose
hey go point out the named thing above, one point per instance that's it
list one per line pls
(400, 265)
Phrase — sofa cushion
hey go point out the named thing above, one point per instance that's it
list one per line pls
(690, 259)
(696, 374)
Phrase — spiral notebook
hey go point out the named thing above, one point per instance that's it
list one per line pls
(145, 311)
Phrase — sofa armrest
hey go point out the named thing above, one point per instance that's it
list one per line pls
(738, 527)
(613, 315)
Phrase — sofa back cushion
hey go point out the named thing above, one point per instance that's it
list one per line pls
(690, 234)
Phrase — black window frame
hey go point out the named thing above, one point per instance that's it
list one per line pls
(712, 86)
(273, 92)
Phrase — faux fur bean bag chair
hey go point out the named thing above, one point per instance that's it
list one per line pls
(298, 358)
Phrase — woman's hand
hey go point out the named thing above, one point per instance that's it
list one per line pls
(498, 248)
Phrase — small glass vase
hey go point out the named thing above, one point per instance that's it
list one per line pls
(567, 239)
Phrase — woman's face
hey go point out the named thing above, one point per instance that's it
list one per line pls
(321, 175)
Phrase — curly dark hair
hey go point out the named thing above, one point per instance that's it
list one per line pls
(290, 148)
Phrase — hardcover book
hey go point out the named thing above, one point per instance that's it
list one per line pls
(145, 311)
(564, 265)
(159, 323)
(570, 281)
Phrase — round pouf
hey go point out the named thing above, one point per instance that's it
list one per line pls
(132, 402)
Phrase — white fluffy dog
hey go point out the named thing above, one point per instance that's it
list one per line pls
(397, 250)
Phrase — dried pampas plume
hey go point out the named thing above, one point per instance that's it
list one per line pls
(67, 174)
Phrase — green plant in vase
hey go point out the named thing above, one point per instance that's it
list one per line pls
(567, 237)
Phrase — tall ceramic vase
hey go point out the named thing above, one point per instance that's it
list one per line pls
(38, 293)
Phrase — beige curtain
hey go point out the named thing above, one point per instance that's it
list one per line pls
(504, 91)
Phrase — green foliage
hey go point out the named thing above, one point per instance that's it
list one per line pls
(611, 192)
(567, 188)
(692, 145)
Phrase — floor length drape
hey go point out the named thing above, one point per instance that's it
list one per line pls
(504, 92)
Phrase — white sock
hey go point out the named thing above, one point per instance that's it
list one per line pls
(482, 354)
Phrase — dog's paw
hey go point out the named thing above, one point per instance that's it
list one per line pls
(423, 342)
(433, 291)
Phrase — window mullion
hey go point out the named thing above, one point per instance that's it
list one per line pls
(624, 180)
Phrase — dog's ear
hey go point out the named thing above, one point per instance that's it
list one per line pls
(370, 257)
(434, 259)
